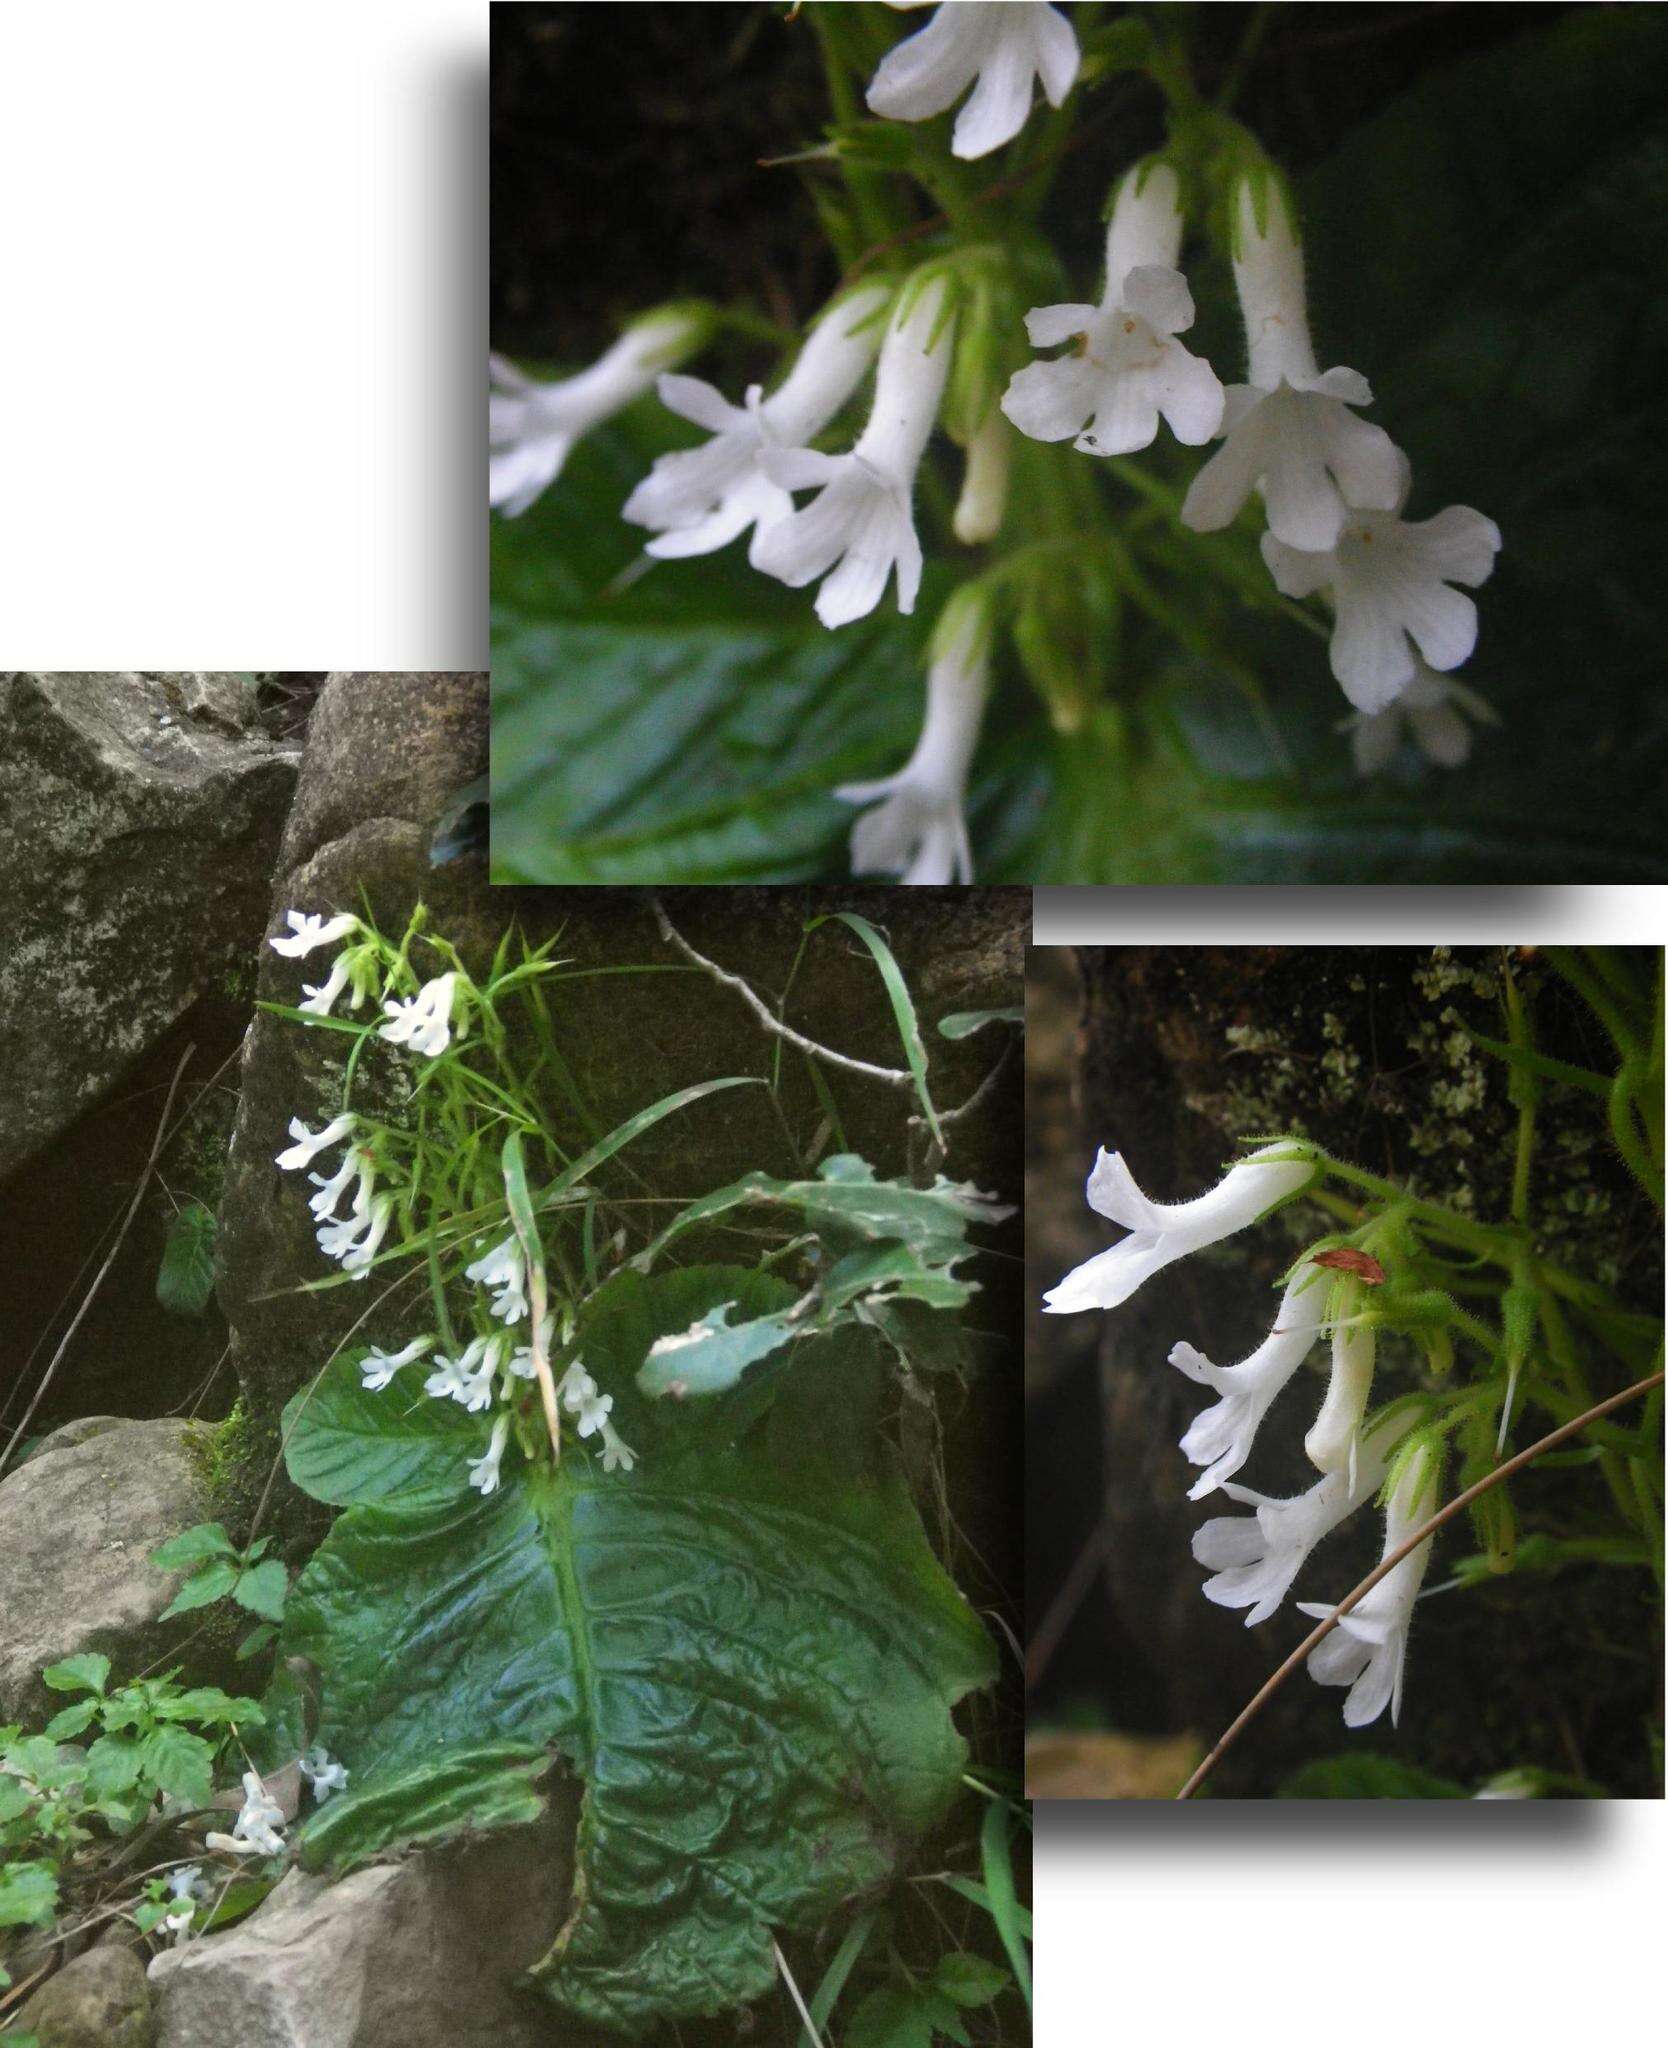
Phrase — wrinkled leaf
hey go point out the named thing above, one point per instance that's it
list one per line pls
(750, 1661)
(343, 1444)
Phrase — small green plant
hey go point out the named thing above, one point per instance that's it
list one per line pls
(220, 1571)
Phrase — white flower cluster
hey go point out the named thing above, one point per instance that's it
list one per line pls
(259, 1827)
(1333, 486)
(489, 1368)
(1256, 1558)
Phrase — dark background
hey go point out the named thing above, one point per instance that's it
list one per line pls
(1130, 1047)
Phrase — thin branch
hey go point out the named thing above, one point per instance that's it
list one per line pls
(1062, 1609)
(139, 1187)
(892, 1077)
(800, 2006)
(977, 1098)
(1460, 1501)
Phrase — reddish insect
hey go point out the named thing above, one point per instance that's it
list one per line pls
(1362, 1264)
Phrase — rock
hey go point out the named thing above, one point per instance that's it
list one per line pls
(77, 1525)
(418, 1954)
(100, 2000)
(139, 819)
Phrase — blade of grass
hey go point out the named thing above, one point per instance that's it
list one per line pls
(827, 1993)
(903, 1007)
(1004, 1900)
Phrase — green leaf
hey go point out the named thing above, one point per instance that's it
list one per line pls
(712, 1354)
(894, 2016)
(343, 1445)
(89, 1672)
(72, 1721)
(969, 1979)
(1005, 1908)
(903, 1006)
(1366, 1776)
(181, 1763)
(493, 1785)
(751, 1661)
(262, 1589)
(213, 1582)
(256, 1641)
(193, 1546)
(185, 1280)
(963, 1023)
(114, 1766)
(210, 1708)
(28, 1895)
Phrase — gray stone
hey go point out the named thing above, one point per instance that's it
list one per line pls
(77, 1525)
(100, 2000)
(419, 1954)
(139, 819)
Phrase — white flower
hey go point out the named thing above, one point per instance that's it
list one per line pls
(337, 1240)
(319, 1000)
(503, 1272)
(862, 517)
(917, 830)
(259, 1828)
(702, 498)
(532, 427)
(1289, 431)
(1002, 44)
(378, 1367)
(1128, 367)
(483, 1471)
(466, 1379)
(1256, 1557)
(308, 931)
(617, 1455)
(1388, 580)
(576, 1385)
(1367, 1651)
(1333, 1442)
(355, 966)
(356, 1164)
(1166, 1231)
(356, 1259)
(322, 1772)
(1429, 711)
(309, 1144)
(521, 1359)
(984, 483)
(185, 1883)
(592, 1410)
(187, 1889)
(1221, 1437)
(423, 1021)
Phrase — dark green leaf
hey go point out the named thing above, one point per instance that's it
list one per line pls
(750, 1662)
(203, 1588)
(963, 1023)
(185, 1280)
(969, 1979)
(343, 1444)
(494, 1785)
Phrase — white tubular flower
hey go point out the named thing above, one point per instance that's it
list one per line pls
(306, 932)
(1388, 580)
(357, 1258)
(378, 1367)
(521, 1365)
(259, 1828)
(917, 830)
(862, 517)
(1256, 1557)
(1165, 1231)
(984, 482)
(309, 1144)
(357, 1164)
(576, 1386)
(700, 499)
(1367, 1651)
(483, 1471)
(1290, 431)
(1334, 1439)
(423, 1022)
(533, 427)
(1005, 45)
(319, 1000)
(466, 1379)
(1221, 1437)
(1128, 368)
(1429, 711)
(617, 1454)
(592, 1411)
(322, 1772)
(503, 1272)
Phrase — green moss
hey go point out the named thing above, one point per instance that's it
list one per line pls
(228, 1458)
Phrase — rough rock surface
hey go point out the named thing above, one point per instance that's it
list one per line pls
(386, 757)
(139, 820)
(100, 2000)
(419, 1954)
(77, 1525)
